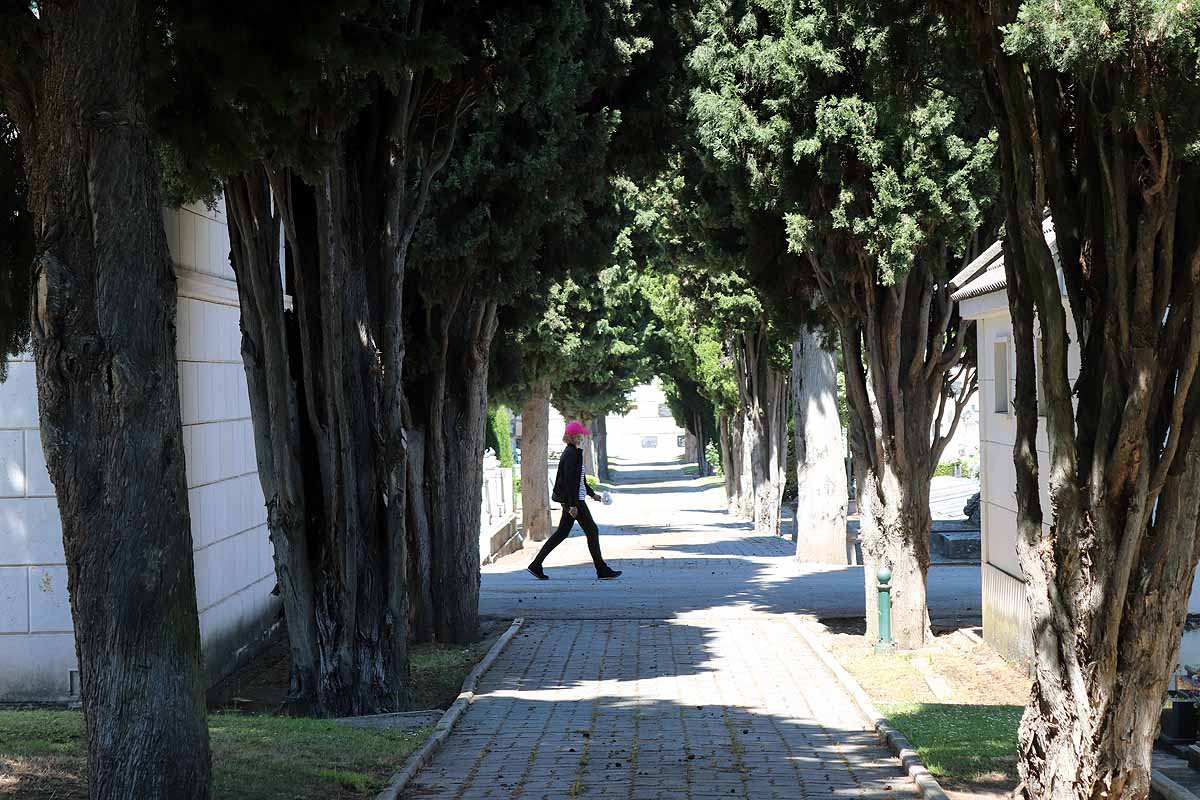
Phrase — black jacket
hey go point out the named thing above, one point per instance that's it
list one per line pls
(566, 482)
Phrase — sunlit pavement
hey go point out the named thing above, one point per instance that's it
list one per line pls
(682, 679)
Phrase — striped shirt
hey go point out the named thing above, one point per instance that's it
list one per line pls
(582, 486)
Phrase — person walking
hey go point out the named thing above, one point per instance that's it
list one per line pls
(571, 491)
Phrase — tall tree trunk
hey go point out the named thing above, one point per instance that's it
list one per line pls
(896, 522)
(903, 349)
(589, 448)
(700, 437)
(420, 537)
(762, 394)
(254, 233)
(820, 454)
(600, 439)
(360, 570)
(740, 485)
(725, 436)
(104, 315)
(326, 440)
(691, 448)
(454, 401)
(1109, 570)
(535, 469)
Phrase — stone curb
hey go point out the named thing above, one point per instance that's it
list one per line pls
(421, 756)
(1167, 788)
(896, 742)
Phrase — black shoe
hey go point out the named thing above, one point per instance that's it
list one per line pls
(537, 572)
(608, 575)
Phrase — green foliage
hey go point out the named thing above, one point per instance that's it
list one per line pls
(600, 329)
(499, 435)
(714, 459)
(16, 248)
(846, 128)
(967, 467)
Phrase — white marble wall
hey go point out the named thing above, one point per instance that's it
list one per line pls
(646, 421)
(234, 572)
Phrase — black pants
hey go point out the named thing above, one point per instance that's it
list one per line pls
(564, 529)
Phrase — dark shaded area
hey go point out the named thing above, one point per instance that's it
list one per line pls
(16, 247)
(437, 673)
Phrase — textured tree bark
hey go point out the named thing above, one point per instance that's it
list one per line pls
(725, 436)
(453, 399)
(589, 448)
(104, 315)
(903, 352)
(691, 448)
(600, 439)
(254, 233)
(700, 439)
(535, 469)
(896, 522)
(1108, 571)
(326, 441)
(763, 437)
(420, 537)
(820, 454)
(363, 560)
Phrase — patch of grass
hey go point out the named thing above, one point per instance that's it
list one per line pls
(255, 757)
(438, 671)
(974, 744)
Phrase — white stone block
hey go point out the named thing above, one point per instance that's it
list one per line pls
(199, 558)
(49, 603)
(204, 257)
(196, 512)
(13, 480)
(189, 396)
(247, 561)
(247, 462)
(30, 532)
(37, 667)
(228, 449)
(171, 228)
(205, 444)
(14, 599)
(196, 329)
(187, 257)
(189, 455)
(18, 397)
(182, 330)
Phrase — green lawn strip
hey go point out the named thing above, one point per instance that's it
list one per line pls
(255, 756)
(974, 744)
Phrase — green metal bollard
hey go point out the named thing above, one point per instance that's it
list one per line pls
(885, 643)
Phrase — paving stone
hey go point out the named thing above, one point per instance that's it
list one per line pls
(710, 703)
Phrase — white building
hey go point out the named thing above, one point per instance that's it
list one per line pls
(647, 432)
(234, 570)
(983, 297)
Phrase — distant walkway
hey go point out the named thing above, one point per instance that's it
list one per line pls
(682, 680)
(681, 552)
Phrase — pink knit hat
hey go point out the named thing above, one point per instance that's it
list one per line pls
(576, 427)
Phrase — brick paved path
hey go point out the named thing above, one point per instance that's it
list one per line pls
(714, 700)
